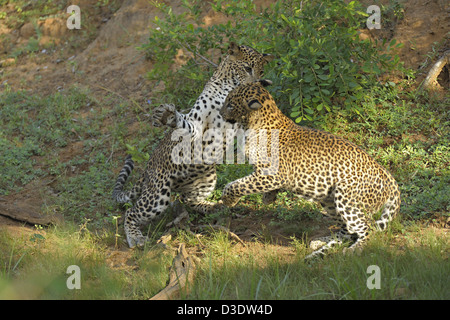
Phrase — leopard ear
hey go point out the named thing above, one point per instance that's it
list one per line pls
(255, 104)
(232, 48)
(234, 51)
(268, 57)
(265, 82)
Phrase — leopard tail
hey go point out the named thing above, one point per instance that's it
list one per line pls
(118, 194)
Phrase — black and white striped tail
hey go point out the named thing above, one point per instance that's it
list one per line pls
(118, 194)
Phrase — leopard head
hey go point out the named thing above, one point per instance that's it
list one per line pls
(243, 100)
(243, 64)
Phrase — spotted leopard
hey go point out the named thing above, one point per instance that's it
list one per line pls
(349, 184)
(168, 171)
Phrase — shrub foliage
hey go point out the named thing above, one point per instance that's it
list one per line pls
(321, 66)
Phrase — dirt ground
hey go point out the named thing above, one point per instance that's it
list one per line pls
(106, 61)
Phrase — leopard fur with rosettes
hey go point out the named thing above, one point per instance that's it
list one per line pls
(349, 184)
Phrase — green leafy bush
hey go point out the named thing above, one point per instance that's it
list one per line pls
(321, 64)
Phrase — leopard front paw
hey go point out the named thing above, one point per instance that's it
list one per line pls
(136, 240)
(164, 115)
(133, 234)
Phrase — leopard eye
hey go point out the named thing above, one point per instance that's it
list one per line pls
(248, 69)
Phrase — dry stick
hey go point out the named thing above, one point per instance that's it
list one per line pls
(182, 214)
(230, 233)
(195, 53)
(120, 96)
(181, 274)
(430, 81)
(183, 266)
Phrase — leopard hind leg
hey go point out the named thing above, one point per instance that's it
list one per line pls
(195, 192)
(151, 204)
(390, 210)
(322, 245)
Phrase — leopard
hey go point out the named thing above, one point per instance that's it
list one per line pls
(170, 170)
(350, 185)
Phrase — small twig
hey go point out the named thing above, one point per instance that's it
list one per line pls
(230, 233)
(198, 238)
(163, 240)
(120, 96)
(116, 235)
(195, 53)
(181, 214)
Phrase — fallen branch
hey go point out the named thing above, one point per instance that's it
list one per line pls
(430, 81)
(181, 274)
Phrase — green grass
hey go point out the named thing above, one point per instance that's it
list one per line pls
(410, 272)
(70, 145)
(70, 139)
(408, 133)
(36, 269)
(416, 267)
(410, 139)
